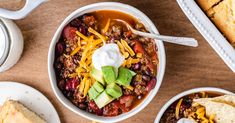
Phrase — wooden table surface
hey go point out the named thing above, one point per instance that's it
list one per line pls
(186, 67)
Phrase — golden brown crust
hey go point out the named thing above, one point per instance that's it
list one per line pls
(207, 4)
(224, 19)
(13, 111)
(221, 13)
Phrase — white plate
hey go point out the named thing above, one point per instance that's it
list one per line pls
(209, 31)
(31, 98)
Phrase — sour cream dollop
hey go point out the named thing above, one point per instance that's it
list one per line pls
(107, 55)
(185, 120)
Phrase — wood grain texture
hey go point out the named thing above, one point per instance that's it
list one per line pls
(186, 67)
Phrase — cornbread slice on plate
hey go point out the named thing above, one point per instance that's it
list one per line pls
(224, 18)
(15, 112)
(207, 4)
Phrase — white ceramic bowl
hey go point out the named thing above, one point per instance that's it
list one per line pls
(13, 39)
(107, 6)
(191, 91)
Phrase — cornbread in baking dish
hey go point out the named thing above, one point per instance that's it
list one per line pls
(15, 112)
(223, 16)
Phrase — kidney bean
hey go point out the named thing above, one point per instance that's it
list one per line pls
(146, 78)
(59, 48)
(151, 84)
(147, 72)
(69, 94)
(71, 84)
(82, 106)
(99, 112)
(82, 29)
(137, 66)
(76, 23)
(61, 84)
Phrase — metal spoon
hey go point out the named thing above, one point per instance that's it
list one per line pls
(171, 39)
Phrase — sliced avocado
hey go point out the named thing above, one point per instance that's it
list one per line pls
(124, 76)
(114, 90)
(93, 93)
(103, 99)
(109, 74)
(132, 73)
(97, 74)
(98, 87)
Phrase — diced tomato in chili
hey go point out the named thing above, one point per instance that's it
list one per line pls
(151, 66)
(138, 48)
(95, 108)
(154, 56)
(69, 32)
(127, 100)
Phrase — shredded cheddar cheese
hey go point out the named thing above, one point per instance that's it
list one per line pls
(128, 62)
(87, 45)
(81, 35)
(87, 87)
(127, 47)
(129, 87)
(211, 118)
(82, 84)
(200, 114)
(72, 75)
(97, 34)
(75, 51)
(177, 109)
(121, 47)
(106, 27)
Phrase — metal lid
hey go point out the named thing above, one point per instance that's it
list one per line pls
(4, 42)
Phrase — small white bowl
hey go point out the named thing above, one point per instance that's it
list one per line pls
(11, 44)
(107, 6)
(188, 92)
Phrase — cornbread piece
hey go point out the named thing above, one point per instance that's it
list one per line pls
(207, 4)
(15, 112)
(223, 112)
(224, 19)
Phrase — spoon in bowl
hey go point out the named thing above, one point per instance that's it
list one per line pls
(171, 39)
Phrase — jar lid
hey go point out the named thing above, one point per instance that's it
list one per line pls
(4, 42)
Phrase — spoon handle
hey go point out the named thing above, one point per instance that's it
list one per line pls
(171, 39)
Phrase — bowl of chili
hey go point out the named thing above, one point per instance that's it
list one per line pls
(118, 89)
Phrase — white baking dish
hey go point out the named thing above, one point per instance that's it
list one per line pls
(209, 31)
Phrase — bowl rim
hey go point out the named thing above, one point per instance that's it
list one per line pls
(187, 92)
(112, 6)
